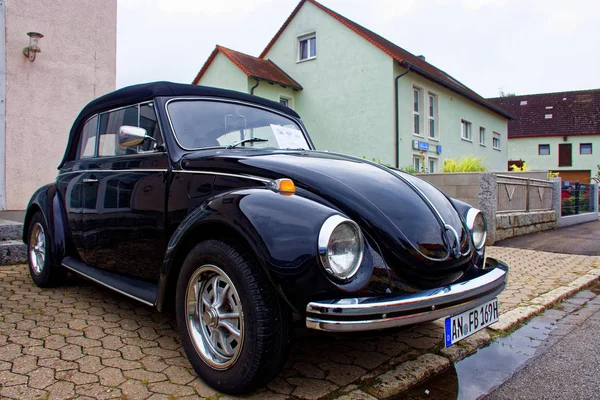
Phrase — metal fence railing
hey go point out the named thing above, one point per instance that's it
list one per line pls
(576, 198)
(516, 194)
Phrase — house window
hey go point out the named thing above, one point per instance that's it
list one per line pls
(482, 135)
(585, 148)
(496, 141)
(307, 47)
(432, 165)
(544, 149)
(431, 115)
(286, 101)
(465, 129)
(417, 111)
(417, 163)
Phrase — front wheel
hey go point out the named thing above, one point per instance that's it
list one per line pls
(233, 327)
(39, 255)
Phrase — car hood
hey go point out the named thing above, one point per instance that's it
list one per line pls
(409, 222)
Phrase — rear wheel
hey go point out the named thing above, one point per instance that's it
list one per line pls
(39, 255)
(233, 327)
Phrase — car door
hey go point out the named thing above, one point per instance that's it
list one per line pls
(127, 186)
(70, 183)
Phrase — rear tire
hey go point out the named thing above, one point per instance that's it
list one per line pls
(233, 326)
(42, 269)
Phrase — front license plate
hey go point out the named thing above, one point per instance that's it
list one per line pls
(467, 323)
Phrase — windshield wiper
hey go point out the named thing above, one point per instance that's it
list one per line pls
(249, 140)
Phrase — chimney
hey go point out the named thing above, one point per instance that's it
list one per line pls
(422, 57)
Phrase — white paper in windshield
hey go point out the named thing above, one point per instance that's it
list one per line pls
(288, 138)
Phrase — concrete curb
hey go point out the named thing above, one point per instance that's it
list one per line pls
(409, 374)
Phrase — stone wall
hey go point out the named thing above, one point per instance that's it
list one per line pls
(517, 224)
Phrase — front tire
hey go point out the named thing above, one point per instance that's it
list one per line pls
(39, 255)
(234, 329)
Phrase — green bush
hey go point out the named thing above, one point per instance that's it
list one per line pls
(408, 168)
(464, 164)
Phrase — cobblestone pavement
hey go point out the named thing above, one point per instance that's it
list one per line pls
(83, 341)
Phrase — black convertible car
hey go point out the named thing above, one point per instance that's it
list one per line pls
(216, 203)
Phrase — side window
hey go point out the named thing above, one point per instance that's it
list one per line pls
(87, 144)
(109, 129)
(149, 122)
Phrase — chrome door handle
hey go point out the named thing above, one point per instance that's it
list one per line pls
(90, 180)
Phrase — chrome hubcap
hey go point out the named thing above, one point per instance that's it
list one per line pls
(37, 248)
(215, 320)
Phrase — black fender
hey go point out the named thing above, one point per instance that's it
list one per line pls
(49, 202)
(281, 230)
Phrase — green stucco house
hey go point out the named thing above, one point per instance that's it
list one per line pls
(362, 95)
(555, 131)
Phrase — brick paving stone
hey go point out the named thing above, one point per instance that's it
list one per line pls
(146, 376)
(311, 388)
(110, 376)
(41, 378)
(89, 364)
(135, 390)
(22, 392)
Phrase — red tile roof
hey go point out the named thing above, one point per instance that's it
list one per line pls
(257, 68)
(402, 56)
(552, 114)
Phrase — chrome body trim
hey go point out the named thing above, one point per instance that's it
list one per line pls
(252, 177)
(325, 233)
(386, 311)
(224, 100)
(82, 171)
(108, 286)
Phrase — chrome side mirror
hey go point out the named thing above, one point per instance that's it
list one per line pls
(130, 136)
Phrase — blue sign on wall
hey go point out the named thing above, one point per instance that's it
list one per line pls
(439, 149)
(424, 146)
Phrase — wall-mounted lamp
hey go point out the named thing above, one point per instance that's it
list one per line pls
(33, 48)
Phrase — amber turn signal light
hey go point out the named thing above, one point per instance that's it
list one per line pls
(285, 186)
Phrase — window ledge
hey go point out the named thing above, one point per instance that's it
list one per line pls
(306, 59)
(434, 139)
(497, 149)
(419, 136)
(482, 145)
(466, 140)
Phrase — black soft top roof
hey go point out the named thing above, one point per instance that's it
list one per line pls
(148, 91)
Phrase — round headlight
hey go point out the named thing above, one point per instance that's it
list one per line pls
(340, 247)
(478, 226)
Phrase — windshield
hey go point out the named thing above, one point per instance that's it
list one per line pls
(203, 123)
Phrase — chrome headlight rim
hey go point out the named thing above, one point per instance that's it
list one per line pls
(472, 215)
(327, 229)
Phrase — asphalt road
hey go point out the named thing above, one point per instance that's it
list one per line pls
(569, 367)
(576, 239)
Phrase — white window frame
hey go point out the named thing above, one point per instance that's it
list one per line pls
(466, 134)
(290, 101)
(482, 137)
(435, 165)
(539, 149)
(417, 162)
(302, 38)
(433, 117)
(496, 135)
(591, 149)
(417, 113)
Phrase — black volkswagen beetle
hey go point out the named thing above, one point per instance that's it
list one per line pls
(216, 202)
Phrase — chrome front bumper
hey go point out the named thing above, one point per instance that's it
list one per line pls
(387, 311)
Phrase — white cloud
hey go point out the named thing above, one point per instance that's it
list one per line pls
(477, 4)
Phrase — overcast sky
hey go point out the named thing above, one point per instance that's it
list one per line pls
(518, 46)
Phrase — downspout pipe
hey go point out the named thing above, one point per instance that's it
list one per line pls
(255, 86)
(396, 115)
